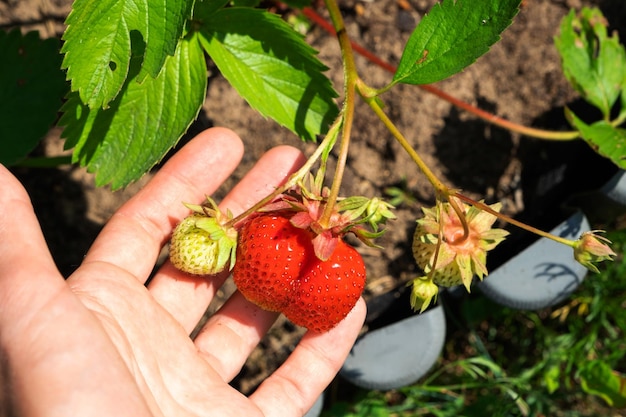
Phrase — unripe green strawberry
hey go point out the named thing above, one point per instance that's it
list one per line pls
(202, 246)
(459, 258)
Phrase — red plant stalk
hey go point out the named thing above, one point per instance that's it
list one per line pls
(489, 117)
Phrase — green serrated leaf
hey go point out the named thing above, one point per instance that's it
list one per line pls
(165, 21)
(123, 142)
(606, 139)
(451, 37)
(31, 89)
(98, 42)
(599, 379)
(593, 63)
(272, 68)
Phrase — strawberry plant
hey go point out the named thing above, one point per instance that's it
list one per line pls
(137, 73)
(451, 241)
(137, 78)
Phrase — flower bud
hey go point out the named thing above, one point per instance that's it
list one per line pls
(592, 248)
(378, 212)
(423, 292)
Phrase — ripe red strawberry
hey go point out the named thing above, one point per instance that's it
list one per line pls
(327, 290)
(277, 269)
(270, 253)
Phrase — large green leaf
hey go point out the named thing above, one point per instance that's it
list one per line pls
(606, 139)
(98, 42)
(31, 88)
(593, 63)
(204, 8)
(451, 37)
(125, 140)
(272, 68)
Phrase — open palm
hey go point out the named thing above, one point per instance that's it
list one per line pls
(105, 343)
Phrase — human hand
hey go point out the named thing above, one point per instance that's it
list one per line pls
(103, 343)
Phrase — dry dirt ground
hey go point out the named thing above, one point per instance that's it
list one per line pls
(518, 79)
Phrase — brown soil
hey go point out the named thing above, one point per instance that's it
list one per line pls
(519, 79)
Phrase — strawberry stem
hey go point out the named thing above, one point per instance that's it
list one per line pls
(297, 176)
(461, 215)
(517, 223)
(375, 106)
(501, 122)
(350, 79)
(371, 97)
(488, 117)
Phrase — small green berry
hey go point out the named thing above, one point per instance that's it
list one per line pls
(202, 246)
